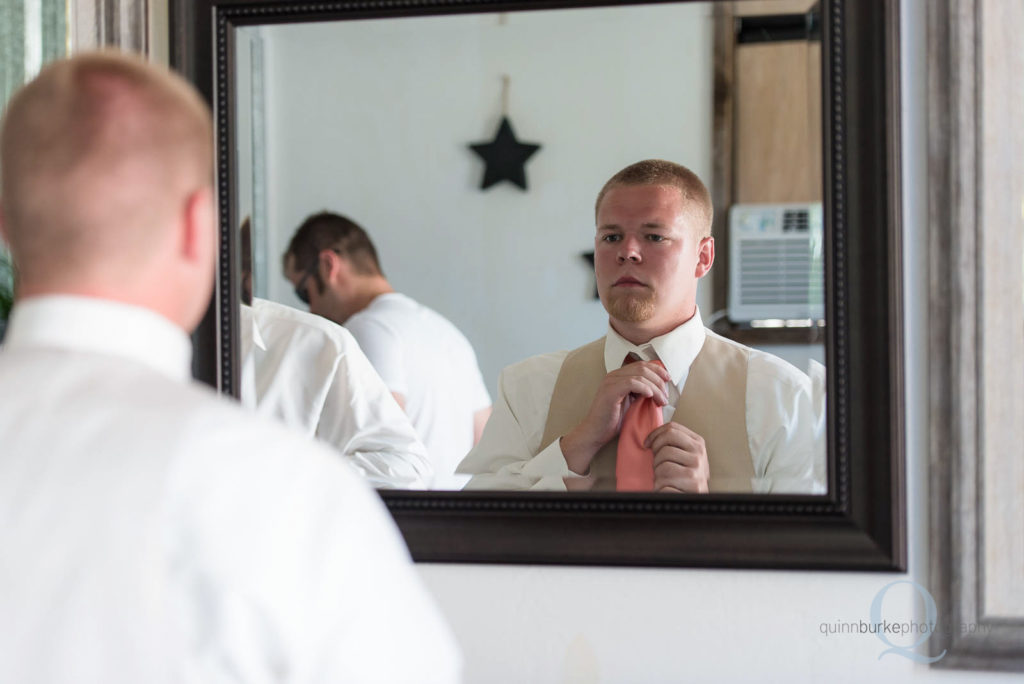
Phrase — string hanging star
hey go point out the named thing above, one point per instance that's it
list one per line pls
(505, 157)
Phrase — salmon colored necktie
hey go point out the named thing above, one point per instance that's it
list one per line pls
(634, 464)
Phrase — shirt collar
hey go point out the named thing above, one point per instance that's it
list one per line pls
(88, 324)
(249, 320)
(676, 349)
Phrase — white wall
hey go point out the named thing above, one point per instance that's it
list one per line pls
(503, 265)
(562, 624)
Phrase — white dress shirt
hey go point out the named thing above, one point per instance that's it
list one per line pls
(151, 531)
(781, 419)
(421, 355)
(310, 374)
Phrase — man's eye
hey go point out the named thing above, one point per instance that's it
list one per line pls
(611, 238)
(655, 238)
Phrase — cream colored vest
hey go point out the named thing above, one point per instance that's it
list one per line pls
(712, 404)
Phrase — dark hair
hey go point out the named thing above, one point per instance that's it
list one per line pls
(661, 172)
(245, 249)
(326, 230)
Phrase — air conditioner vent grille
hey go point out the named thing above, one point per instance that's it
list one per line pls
(775, 270)
(776, 262)
(796, 220)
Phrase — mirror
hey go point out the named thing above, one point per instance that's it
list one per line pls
(862, 515)
(387, 146)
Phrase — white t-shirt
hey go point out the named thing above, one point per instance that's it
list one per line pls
(311, 375)
(152, 531)
(784, 428)
(422, 356)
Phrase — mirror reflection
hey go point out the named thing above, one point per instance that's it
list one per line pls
(388, 287)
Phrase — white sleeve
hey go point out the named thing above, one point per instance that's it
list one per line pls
(475, 385)
(481, 397)
(783, 428)
(287, 567)
(509, 454)
(363, 421)
(383, 347)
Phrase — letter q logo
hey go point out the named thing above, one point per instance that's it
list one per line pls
(929, 613)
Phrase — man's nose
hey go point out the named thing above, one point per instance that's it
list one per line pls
(629, 250)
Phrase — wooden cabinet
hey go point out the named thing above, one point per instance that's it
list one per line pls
(767, 144)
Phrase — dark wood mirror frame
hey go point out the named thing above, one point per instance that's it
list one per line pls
(858, 525)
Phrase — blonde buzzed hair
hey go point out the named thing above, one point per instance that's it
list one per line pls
(97, 155)
(661, 172)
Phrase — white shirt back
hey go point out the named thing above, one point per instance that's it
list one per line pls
(309, 373)
(151, 531)
(420, 354)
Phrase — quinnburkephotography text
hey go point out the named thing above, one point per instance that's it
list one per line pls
(901, 637)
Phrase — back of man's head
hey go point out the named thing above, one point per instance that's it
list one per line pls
(99, 156)
(660, 172)
(327, 230)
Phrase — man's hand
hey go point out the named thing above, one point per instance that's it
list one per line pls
(680, 459)
(604, 419)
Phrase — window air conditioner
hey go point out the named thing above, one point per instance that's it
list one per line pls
(776, 264)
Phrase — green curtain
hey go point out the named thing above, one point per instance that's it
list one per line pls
(32, 32)
(12, 47)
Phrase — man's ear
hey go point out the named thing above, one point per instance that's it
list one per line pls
(332, 265)
(199, 229)
(705, 256)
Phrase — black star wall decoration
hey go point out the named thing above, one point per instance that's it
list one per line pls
(505, 157)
